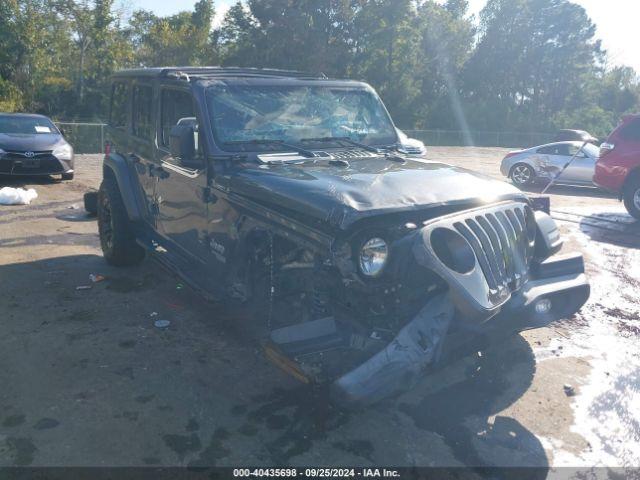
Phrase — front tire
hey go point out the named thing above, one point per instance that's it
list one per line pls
(631, 197)
(66, 177)
(522, 175)
(117, 238)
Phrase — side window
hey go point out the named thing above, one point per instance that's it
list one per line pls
(574, 149)
(177, 108)
(631, 131)
(142, 119)
(564, 150)
(550, 150)
(119, 105)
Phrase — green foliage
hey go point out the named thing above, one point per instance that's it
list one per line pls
(530, 65)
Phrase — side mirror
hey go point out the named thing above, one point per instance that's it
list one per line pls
(182, 144)
(62, 132)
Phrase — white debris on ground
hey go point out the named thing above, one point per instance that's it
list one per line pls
(17, 196)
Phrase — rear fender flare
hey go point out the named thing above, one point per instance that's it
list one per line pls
(116, 165)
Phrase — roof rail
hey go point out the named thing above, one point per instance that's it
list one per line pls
(189, 73)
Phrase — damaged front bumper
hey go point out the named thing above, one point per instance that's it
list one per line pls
(559, 288)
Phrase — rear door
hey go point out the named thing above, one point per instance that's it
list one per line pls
(141, 144)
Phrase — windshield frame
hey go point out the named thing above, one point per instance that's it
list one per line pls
(40, 119)
(272, 147)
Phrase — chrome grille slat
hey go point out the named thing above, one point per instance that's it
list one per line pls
(480, 253)
(499, 241)
(489, 251)
(497, 248)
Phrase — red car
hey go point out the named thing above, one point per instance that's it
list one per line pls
(618, 168)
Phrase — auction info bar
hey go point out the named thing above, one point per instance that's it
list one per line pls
(228, 473)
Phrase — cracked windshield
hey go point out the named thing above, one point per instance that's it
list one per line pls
(242, 114)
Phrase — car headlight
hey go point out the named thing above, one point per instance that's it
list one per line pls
(63, 151)
(373, 257)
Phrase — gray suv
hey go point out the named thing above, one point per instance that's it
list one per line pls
(32, 145)
(289, 197)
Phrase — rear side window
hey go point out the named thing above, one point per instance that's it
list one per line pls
(119, 105)
(550, 150)
(142, 124)
(177, 108)
(631, 131)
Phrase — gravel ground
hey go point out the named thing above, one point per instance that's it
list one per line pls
(88, 380)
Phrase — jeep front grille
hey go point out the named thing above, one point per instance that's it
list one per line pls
(503, 242)
(484, 254)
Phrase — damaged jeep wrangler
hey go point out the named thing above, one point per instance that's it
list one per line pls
(358, 263)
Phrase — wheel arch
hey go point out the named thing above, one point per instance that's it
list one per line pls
(632, 176)
(116, 167)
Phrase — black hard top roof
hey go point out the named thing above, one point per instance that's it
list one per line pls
(212, 72)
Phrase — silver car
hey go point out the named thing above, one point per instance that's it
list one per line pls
(543, 163)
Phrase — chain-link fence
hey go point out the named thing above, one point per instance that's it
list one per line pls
(89, 137)
(84, 137)
(454, 138)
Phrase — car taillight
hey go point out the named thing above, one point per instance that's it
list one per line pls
(512, 154)
(606, 148)
(107, 148)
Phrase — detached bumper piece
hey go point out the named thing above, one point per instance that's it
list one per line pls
(400, 364)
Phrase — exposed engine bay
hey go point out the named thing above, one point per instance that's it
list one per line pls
(324, 320)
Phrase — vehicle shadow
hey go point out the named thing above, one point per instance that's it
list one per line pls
(615, 228)
(462, 413)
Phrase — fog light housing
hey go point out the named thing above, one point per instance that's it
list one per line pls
(543, 306)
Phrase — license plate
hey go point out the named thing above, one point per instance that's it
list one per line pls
(30, 163)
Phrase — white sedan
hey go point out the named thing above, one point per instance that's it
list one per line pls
(543, 163)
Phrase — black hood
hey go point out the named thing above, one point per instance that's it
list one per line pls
(343, 195)
(36, 142)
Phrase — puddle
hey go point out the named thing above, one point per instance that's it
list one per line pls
(605, 333)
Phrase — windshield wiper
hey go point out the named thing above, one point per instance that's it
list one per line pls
(341, 139)
(279, 143)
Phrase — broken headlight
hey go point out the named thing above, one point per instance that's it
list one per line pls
(373, 257)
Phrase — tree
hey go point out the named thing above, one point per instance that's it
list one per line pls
(386, 41)
(532, 55)
(235, 39)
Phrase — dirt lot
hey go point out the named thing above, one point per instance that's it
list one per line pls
(86, 379)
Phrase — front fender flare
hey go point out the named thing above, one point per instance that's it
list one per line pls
(116, 165)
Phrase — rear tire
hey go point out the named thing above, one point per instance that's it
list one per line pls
(522, 175)
(117, 239)
(631, 197)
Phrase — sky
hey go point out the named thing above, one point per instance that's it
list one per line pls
(617, 22)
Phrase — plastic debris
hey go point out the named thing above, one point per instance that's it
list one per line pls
(84, 287)
(569, 390)
(179, 286)
(162, 323)
(17, 196)
(153, 314)
(73, 207)
(96, 278)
